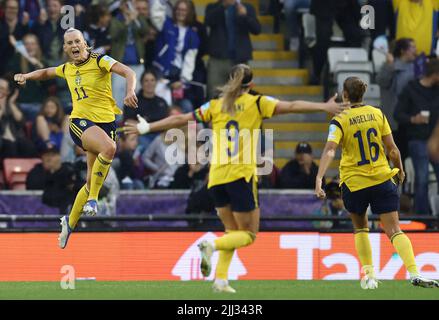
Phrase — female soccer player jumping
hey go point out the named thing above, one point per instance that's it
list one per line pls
(233, 183)
(367, 179)
(92, 122)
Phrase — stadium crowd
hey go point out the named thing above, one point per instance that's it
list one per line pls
(168, 47)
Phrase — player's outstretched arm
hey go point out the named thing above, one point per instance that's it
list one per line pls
(394, 155)
(326, 159)
(130, 99)
(300, 106)
(143, 127)
(41, 74)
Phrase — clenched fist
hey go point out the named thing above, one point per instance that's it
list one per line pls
(20, 78)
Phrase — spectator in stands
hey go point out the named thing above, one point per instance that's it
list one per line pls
(231, 22)
(128, 164)
(197, 90)
(176, 48)
(384, 19)
(392, 78)
(97, 33)
(29, 10)
(200, 201)
(142, 6)
(269, 181)
(333, 206)
(127, 31)
(13, 140)
(189, 175)
(32, 95)
(10, 25)
(50, 33)
(50, 125)
(301, 172)
(394, 75)
(150, 106)
(57, 179)
(347, 15)
(417, 109)
(293, 23)
(417, 19)
(154, 159)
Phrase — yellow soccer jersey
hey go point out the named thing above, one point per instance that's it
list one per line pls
(90, 86)
(363, 161)
(235, 137)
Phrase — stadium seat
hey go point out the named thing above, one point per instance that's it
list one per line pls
(336, 55)
(16, 171)
(409, 185)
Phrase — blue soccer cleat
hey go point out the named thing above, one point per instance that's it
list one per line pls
(65, 232)
(90, 208)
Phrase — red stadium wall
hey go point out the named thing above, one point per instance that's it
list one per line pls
(174, 256)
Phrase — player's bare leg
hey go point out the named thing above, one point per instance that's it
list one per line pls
(364, 250)
(96, 141)
(403, 246)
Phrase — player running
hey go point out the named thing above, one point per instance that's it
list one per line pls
(92, 122)
(367, 179)
(233, 183)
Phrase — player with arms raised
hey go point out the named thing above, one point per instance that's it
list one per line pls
(92, 122)
(233, 183)
(367, 179)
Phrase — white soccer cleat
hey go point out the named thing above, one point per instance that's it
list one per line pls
(65, 232)
(206, 251)
(222, 286)
(419, 281)
(368, 283)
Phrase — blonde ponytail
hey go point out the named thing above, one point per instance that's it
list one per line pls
(232, 89)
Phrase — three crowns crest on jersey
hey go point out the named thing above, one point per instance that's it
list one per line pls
(78, 78)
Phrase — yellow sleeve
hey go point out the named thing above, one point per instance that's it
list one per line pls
(106, 62)
(396, 4)
(59, 71)
(335, 131)
(203, 113)
(436, 4)
(267, 105)
(386, 127)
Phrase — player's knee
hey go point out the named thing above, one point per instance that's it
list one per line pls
(109, 150)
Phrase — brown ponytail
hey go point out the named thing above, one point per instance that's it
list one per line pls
(240, 78)
(354, 89)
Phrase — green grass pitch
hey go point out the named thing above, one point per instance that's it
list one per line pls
(200, 290)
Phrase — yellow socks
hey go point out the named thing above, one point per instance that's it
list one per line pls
(404, 248)
(224, 260)
(234, 240)
(364, 250)
(99, 173)
(76, 211)
(226, 246)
